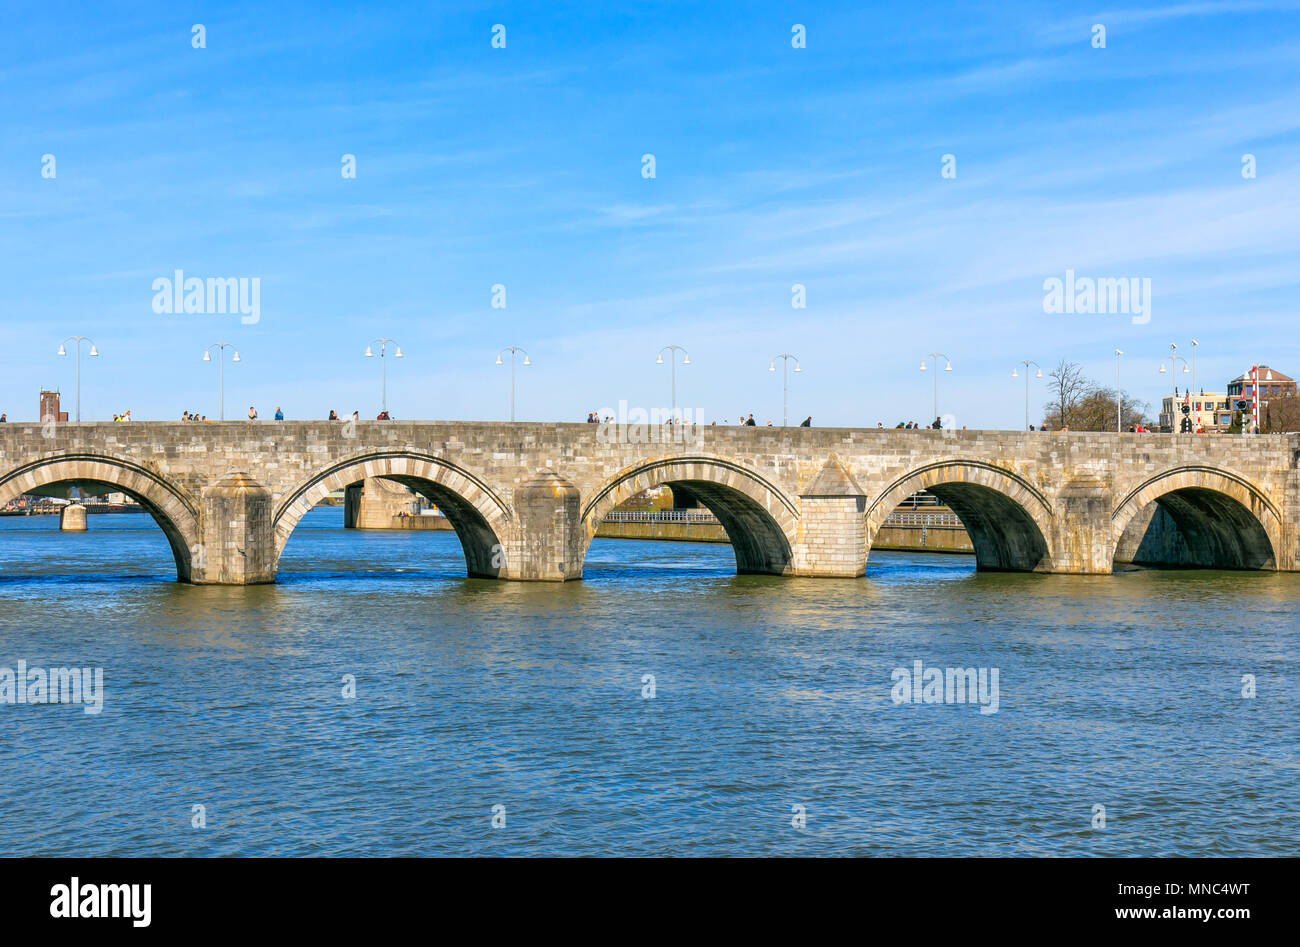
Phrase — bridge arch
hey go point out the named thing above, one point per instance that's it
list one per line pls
(479, 516)
(1008, 519)
(760, 520)
(171, 506)
(1223, 520)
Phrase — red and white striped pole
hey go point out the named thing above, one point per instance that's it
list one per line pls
(1254, 404)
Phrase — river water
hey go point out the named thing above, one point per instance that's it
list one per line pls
(1120, 691)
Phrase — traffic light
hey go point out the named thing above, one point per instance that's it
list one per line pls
(1186, 426)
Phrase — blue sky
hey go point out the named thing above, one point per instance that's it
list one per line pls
(522, 166)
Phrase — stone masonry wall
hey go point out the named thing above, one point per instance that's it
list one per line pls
(1079, 490)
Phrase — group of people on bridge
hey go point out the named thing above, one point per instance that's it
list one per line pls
(593, 417)
(935, 425)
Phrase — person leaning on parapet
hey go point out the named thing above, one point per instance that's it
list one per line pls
(279, 414)
(4, 419)
(334, 416)
(749, 421)
(938, 424)
(252, 413)
(806, 422)
(356, 415)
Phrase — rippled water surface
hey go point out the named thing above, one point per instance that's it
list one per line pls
(1122, 691)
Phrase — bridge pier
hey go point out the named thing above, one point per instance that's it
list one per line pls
(352, 497)
(375, 503)
(1288, 552)
(548, 542)
(238, 546)
(832, 526)
(1083, 541)
(73, 517)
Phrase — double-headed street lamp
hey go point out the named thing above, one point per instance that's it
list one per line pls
(785, 381)
(1174, 359)
(383, 368)
(512, 349)
(1015, 374)
(78, 339)
(221, 361)
(672, 358)
(947, 368)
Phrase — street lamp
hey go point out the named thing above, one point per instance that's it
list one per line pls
(221, 361)
(1196, 392)
(785, 381)
(78, 339)
(1174, 359)
(1119, 397)
(512, 349)
(383, 368)
(672, 358)
(1015, 374)
(947, 368)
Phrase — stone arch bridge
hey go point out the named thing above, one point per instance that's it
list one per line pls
(526, 499)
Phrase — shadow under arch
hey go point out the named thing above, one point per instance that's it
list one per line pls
(759, 519)
(478, 515)
(1197, 517)
(1007, 518)
(171, 507)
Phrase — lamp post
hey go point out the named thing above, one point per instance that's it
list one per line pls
(672, 357)
(512, 349)
(1174, 359)
(78, 339)
(383, 368)
(1196, 392)
(785, 382)
(947, 368)
(1015, 374)
(221, 374)
(1119, 397)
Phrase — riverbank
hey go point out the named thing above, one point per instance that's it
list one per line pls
(932, 531)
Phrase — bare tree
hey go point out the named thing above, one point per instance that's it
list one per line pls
(1081, 404)
(1280, 416)
(1068, 388)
